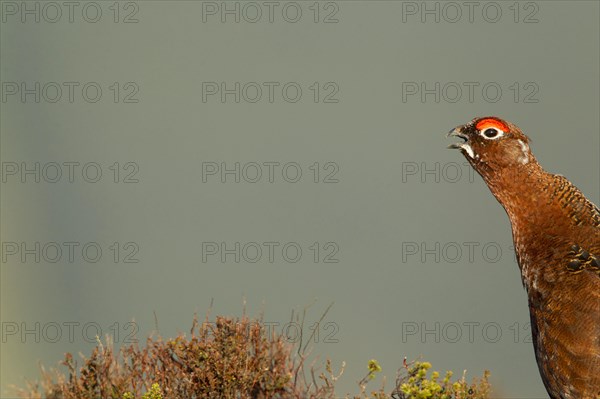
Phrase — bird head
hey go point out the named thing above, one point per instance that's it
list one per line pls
(491, 144)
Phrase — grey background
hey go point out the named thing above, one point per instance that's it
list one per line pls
(370, 133)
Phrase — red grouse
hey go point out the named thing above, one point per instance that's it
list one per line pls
(556, 234)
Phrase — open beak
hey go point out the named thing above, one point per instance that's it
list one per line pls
(456, 132)
(464, 146)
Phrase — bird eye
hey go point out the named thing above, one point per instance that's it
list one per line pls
(492, 133)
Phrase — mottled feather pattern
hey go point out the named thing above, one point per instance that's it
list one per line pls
(569, 196)
(582, 260)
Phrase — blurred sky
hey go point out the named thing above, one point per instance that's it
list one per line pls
(136, 109)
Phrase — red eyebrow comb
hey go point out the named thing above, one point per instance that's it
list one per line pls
(489, 122)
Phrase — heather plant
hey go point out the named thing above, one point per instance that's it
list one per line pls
(230, 358)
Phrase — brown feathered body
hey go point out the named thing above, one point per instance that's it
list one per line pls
(556, 234)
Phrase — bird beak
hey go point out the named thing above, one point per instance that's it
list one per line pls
(465, 148)
(457, 132)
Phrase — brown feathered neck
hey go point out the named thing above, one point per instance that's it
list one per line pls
(517, 188)
(538, 202)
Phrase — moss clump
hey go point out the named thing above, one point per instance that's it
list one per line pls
(414, 383)
(154, 393)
